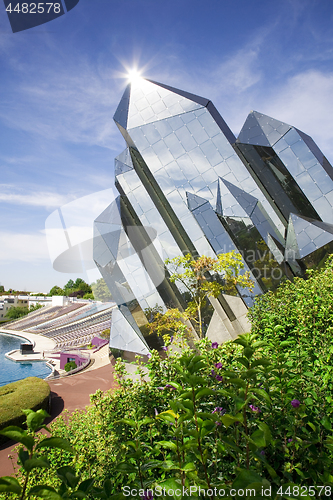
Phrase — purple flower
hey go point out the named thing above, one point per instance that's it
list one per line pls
(168, 386)
(218, 365)
(218, 423)
(171, 339)
(219, 378)
(148, 495)
(214, 345)
(295, 403)
(161, 388)
(212, 373)
(149, 355)
(290, 440)
(262, 453)
(156, 412)
(219, 410)
(164, 348)
(255, 409)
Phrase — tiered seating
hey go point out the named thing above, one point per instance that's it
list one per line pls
(93, 320)
(68, 314)
(94, 308)
(34, 318)
(81, 336)
(69, 326)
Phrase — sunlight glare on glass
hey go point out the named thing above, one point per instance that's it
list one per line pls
(134, 76)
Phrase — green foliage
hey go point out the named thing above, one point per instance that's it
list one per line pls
(33, 308)
(77, 288)
(105, 334)
(33, 457)
(228, 416)
(101, 291)
(32, 392)
(207, 276)
(255, 413)
(71, 365)
(88, 296)
(56, 290)
(299, 316)
(17, 312)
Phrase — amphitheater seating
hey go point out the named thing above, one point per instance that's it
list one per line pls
(69, 326)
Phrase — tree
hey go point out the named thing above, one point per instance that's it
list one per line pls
(35, 307)
(19, 312)
(71, 365)
(101, 291)
(78, 282)
(16, 312)
(56, 290)
(79, 288)
(207, 276)
(70, 285)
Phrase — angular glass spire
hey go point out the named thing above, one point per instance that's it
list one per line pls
(305, 236)
(245, 200)
(145, 102)
(123, 163)
(194, 201)
(121, 113)
(261, 130)
(125, 335)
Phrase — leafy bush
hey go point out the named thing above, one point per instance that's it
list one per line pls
(17, 312)
(31, 392)
(211, 416)
(299, 317)
(32, 457)
(251, 414)
(71, 365)
(105, 334)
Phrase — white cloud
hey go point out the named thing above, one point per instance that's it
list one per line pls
(305, 101)
(75, 103)
(23, 247)
(45, 199)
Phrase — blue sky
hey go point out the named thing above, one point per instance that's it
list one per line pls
(61, 83)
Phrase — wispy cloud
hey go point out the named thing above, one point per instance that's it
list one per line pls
(46, 199)
(305, 101)
(72, 103)
(23, 247)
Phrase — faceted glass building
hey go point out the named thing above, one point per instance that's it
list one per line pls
(187, 185)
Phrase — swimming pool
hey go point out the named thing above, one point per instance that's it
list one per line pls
(10, 371)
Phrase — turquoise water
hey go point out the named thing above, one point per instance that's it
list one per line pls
(10, 371)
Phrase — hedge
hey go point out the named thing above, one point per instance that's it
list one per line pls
(31, 392)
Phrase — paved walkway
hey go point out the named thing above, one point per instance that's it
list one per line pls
(70, 393)
(41, 343)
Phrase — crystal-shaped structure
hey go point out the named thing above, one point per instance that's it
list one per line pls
(186, 185)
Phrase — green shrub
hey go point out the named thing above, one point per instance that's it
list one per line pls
(299, 317)
(71, 365)
(105, 334)
(225, 416)
(253, 414)
(31, 392)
